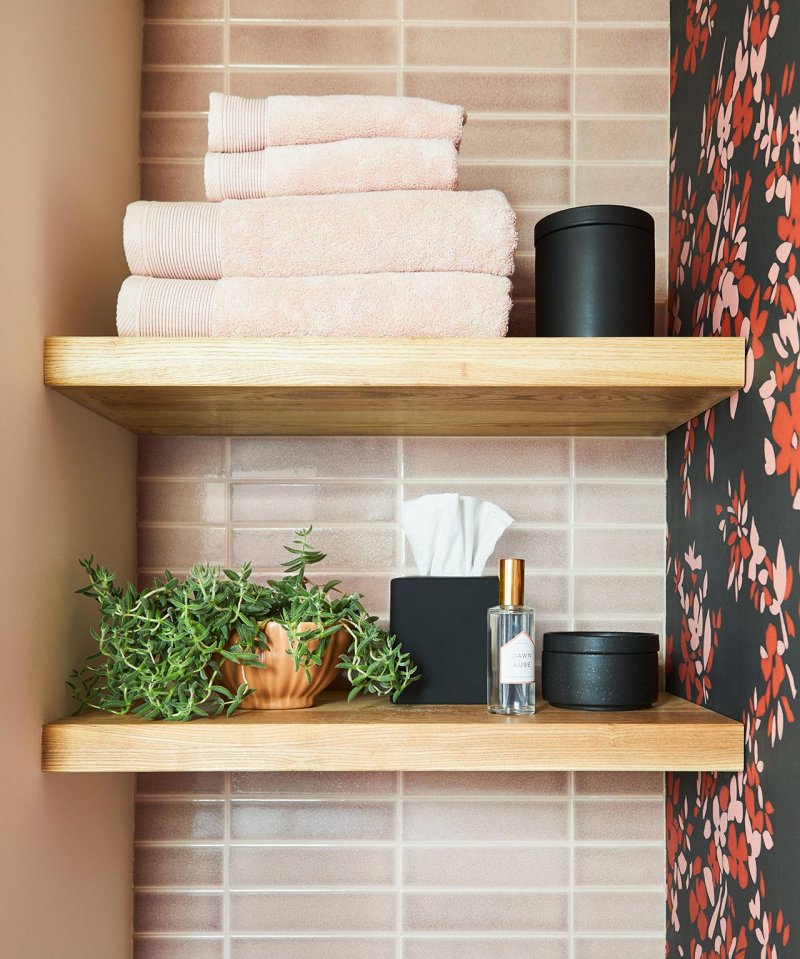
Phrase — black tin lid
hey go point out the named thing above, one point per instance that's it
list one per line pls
(587, 641)
(598, 213)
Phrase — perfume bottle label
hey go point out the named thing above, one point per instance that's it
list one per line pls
(516, 661)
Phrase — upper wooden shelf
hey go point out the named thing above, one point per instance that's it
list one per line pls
(422, 387)
(372, 734)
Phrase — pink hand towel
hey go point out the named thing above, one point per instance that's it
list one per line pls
(347, 166)
(391, 232)
(376, 304)
(239, 124)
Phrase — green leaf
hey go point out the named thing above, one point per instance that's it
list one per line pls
(159, 649)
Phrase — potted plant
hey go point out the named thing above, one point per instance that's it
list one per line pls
(198, 646)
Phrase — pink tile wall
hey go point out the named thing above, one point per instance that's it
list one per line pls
(568, 103)
(418, 866)
(568, 100)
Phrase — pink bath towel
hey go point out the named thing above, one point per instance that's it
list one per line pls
(239, 124)
(392, 232)
(346, 166)
(376, 304)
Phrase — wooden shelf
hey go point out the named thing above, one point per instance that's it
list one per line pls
(423, 387)
(372, 734)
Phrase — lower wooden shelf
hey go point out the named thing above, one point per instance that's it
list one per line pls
(372, 734)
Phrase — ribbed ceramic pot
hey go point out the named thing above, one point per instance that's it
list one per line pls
(280, 686)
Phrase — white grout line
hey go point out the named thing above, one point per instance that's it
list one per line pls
(609, 25)
(226, 878)
(535, 934)
(383, 526)
(226, 54)
(489, 480)
(531, 844)
(401, 51)
(416, 69)
(398, 876)
(430, 890)
(530, 163)
(515, 116)
(384, 799)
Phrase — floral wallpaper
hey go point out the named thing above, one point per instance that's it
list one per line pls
(733, 841)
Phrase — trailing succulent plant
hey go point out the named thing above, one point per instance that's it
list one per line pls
(160, 649)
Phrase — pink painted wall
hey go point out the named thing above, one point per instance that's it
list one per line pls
(67, 169)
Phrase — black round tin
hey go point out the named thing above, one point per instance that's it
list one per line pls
(595, 272)
(600, 670)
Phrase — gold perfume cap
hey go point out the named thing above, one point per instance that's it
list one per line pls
(512, 582)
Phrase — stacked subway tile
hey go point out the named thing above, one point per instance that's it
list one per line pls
(334, 215)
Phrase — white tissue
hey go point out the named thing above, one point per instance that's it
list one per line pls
(452, 535)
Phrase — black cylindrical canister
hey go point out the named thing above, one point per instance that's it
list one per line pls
(600, 670)
(595, 272)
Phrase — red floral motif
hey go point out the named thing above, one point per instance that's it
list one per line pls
(734, 529)
(786, 434)
(736, 860)
(699, 24)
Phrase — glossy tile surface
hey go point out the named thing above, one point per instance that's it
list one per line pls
(417, 866)
(485, 912)
(634, 866)
(462, 947)
(178, 947)
(172, 912)
(293, 44)
(487, 46)
(183, 502)
(486, 784)
(614, 47)
(179, 820)
(480, 10)
(314, 785)
(293, 457)
(500, 820)
(313, 10)
(312, 947)
(291, 867)
(155, 784)
(309, 912)
(482, 866)
(275, 820)
(617, 820)
(492, 92)
(186, 866)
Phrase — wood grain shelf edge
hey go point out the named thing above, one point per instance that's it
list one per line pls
(426, 387)
(371, 735)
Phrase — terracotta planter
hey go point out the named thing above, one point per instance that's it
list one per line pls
(280, 686)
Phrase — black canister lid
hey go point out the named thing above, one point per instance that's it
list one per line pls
(609, 643)
(596, 214)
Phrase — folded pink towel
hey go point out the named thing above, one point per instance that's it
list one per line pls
(347, 166)
(392, 232)
(238, 124)
(375, 304)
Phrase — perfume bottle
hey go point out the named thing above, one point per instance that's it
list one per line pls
(511, 677)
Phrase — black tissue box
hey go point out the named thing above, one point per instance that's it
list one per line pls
(441, 622)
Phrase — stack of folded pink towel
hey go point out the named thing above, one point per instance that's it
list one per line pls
(337, 215)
